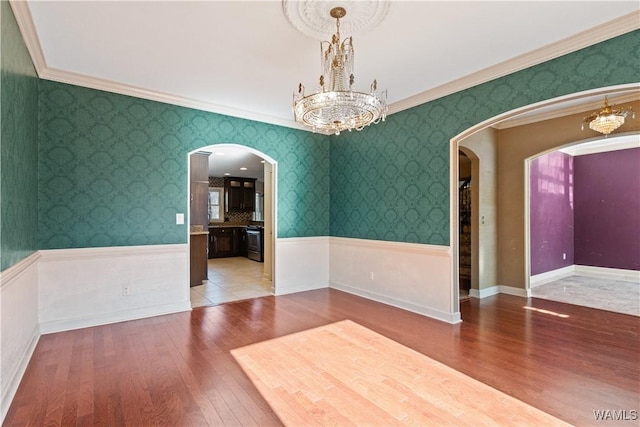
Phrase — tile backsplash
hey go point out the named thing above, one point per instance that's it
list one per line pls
(232, 217)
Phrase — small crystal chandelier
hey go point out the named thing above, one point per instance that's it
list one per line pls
(336, 106)
(607, 119)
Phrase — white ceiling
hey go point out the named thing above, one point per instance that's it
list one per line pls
(234, 160)
(244, 58)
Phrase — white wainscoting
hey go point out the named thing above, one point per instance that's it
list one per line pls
(19, 332)
(84, 287)
(302, 264)
(410, 276)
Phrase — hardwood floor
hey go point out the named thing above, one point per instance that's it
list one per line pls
(177, 370)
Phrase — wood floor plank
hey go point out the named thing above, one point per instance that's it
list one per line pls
(431, 390)
(177, 368)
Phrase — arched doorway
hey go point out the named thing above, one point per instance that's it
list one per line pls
(240, 229)
(581, 230)
(513, 269)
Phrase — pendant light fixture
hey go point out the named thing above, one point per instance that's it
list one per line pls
(336, 106)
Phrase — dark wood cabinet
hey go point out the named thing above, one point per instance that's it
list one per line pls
(198, 216)
(241, 238)
(227, 242)
(222, 242)
(240, 194)
(199, 177)
(198, 258)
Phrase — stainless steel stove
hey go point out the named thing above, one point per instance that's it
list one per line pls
(255, 242)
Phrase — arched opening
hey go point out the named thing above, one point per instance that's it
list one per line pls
(512, 251)
(582, 235)
(232, 204)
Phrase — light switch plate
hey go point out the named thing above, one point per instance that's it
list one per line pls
(179, 218)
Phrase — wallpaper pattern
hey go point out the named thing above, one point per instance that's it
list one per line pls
(18, 144)
(391, 181)
(113, 168)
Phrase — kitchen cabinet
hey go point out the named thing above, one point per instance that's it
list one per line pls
(199, 177)
(198, 217)
(198, 258)
(241, 238)
(227, 242)
(240, 194)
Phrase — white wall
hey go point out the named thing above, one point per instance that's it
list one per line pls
(414, 277)
(84, 287)
(19, 331)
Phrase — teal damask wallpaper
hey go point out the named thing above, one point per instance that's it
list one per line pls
(113, 168)
(391, 181)
(18, 144)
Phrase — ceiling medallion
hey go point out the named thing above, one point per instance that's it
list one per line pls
(310, 17)
(335, 106)
(607, 119)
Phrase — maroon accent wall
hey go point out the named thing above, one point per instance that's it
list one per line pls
(551, 212)
(607, 206)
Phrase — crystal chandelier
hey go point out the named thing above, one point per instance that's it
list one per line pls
(336, 106)
(607, 119)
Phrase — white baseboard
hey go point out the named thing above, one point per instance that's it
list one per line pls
(586, 271)
(608, 273)
(551, 276)
(301, 287)
(499, 289)
(405, 305)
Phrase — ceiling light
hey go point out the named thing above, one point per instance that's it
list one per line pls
(243, 169)
(607, 119)
(336, 106)
(227, 174)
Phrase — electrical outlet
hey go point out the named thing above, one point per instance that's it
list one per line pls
(371, 275)
(564, 256)
(126, 290)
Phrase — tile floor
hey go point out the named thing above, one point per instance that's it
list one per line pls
(611, 295)
(231, 279)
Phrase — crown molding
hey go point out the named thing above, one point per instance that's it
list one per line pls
(632, 96)
(138, 92)
(23, 16)
(600, 33)
(24, 19)
(613, 28)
